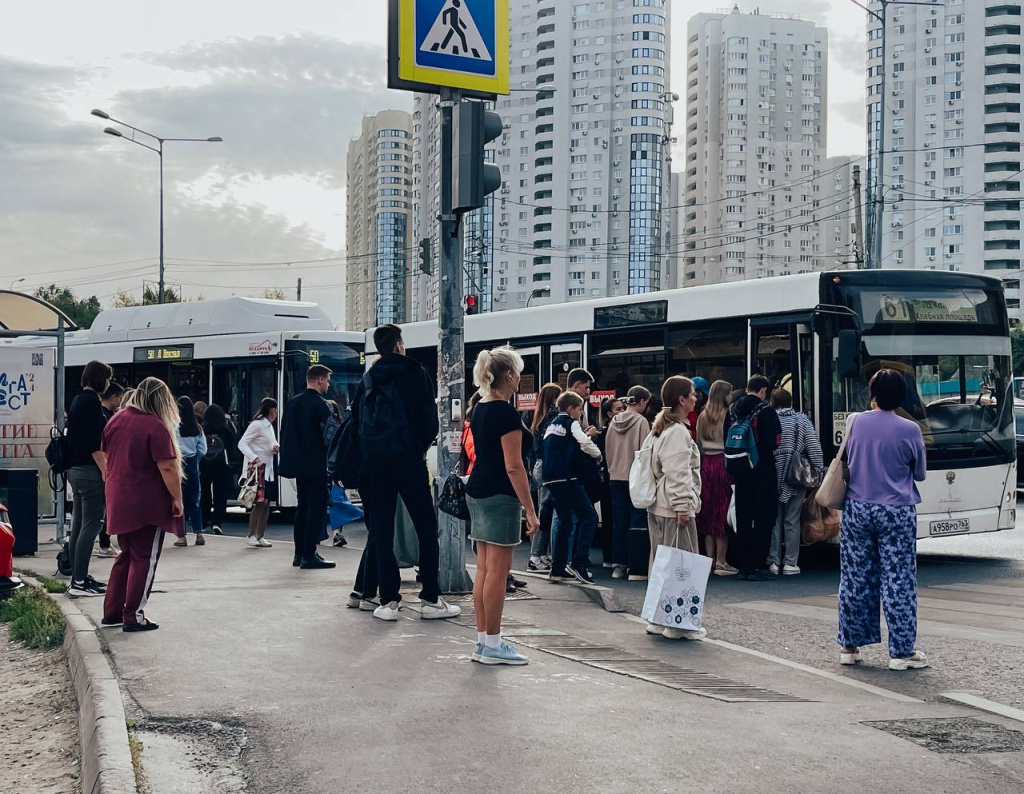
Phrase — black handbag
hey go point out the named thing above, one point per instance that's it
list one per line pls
(453, 497)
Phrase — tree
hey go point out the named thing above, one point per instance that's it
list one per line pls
(151, 296)
(1017, 345)
(82, 311)
(274, 294)
(123, 299)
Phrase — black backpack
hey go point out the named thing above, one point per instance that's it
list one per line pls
(57, 451)
(383, 422)
(216, 449)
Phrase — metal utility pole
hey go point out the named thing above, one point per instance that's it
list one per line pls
(298, 290)
(858, 219)
(159, 149)
(451, 361)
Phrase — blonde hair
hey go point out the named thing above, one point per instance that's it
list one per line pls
(492, 365)
(154, 398)
(675, 388)
(711, 423)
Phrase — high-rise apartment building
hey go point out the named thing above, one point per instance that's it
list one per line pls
(378, 227)
(585, 157)
(756, 135)
(952, 136)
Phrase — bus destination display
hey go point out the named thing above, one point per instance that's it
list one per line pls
(904, 309)
(165, 353)
(632, 314)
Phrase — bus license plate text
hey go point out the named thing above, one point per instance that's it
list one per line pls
(955, 526)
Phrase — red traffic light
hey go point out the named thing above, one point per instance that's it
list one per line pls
(472, 304)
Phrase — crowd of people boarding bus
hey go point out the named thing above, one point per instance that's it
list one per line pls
(147, 465)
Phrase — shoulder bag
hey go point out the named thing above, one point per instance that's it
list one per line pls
(643, 486)
(453, 497)
(801, 473)
(832, 492)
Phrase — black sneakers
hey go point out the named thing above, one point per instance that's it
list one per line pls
(580, 574)
(560, 575)
(86, 588)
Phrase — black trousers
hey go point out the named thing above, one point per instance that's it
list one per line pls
(215, 482)
(313, 499)
(757, 507)
(366, 576)
(385, 481)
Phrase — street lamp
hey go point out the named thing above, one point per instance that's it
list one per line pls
(16, 281)
(159, 149)
(540, 292)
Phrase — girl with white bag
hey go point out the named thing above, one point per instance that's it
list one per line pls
(675, 464)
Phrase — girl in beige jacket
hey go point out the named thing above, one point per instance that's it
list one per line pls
(675, 462)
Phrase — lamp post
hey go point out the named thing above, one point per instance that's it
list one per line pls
(16, 281)
(159, 149)
(540, 292)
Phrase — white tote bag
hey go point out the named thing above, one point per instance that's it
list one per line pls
(643, 486)
(676, 585)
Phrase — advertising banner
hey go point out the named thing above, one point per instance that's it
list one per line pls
(26, 413)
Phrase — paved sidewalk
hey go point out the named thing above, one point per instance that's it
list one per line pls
(260, 680)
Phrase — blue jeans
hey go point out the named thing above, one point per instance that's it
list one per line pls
(190, 495)
(572, 503)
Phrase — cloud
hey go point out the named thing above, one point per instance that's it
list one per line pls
(73, 199)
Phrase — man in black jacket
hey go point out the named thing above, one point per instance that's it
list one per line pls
(395, 411)
(304, 459)
(757, 492)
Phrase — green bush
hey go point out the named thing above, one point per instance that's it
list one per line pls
(49, 585)
(35, 620)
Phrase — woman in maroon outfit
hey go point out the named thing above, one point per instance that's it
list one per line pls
(143, 490)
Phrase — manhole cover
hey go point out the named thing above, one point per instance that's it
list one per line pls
(955, 735)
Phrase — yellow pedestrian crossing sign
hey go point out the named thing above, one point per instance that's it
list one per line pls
(449, 43)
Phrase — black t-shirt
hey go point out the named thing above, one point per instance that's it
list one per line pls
(85, 428)
(491, 421)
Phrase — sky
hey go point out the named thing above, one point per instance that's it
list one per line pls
(285, 86)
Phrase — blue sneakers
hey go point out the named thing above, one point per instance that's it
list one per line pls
(505, 654)
(477, 651)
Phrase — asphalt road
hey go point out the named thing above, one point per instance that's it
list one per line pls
(760, 615)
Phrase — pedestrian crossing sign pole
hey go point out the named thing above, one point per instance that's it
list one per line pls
(461, 44)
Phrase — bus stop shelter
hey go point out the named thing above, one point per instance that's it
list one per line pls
(23, 316)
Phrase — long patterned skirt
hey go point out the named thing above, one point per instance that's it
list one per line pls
(715, 493)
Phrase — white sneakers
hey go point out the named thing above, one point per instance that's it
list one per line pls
(670, 633)
(264, 543)
(252, 542)
(388, 611)
(441, 610)
(773, 569)
(790, 570)
(918, 661)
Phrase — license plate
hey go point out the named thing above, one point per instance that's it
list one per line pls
(956, 526)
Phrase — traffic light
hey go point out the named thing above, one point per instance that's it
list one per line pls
(425, 252)
(472, 178)
(472, 304)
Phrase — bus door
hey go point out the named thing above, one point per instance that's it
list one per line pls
(238, 387)
(533, 379)
(784, 352)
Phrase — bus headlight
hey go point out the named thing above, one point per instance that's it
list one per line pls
(1008, 518)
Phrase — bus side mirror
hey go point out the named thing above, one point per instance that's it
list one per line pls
(848, 362)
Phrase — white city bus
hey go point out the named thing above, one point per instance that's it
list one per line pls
(822, 335)
(231, 352)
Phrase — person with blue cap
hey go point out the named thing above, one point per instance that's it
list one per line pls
(701, 387)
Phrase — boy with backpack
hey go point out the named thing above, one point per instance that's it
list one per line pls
(394, 415)
(751, 438)
(567, 455)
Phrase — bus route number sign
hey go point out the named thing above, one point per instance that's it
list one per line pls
(165, 353)
(838, 428)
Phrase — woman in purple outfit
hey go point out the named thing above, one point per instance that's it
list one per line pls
(878, 551)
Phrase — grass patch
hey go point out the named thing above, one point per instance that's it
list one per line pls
(36, 621)
(49, 584)
(135, 746)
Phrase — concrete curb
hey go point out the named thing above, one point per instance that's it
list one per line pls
(102, 729)
(603, 596)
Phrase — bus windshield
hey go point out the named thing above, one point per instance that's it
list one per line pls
(963, 403)
(345, 362)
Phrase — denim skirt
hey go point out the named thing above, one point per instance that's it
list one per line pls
(496, 520)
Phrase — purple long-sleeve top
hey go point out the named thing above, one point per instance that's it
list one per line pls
(886, 459)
